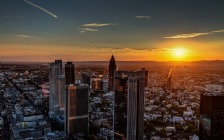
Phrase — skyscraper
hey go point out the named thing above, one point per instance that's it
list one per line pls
(61, 90)
(211, 116)
(77, 109)
(112, 67)
(70, 73)
(54, 72)
(129, 105)
(146, 77)
(59, 63)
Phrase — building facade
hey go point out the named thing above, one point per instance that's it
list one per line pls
(211, 116)
(146, 77)
(112, 68)
(77, 109)
(61, 90)
(54, 72)
(129, 105)
(70, 73)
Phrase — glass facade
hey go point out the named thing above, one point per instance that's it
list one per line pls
(77, 109)
(211, 117)
(129, 105)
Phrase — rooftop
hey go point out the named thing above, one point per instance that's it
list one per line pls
(56, 134)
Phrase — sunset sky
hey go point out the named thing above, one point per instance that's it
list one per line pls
(93, 30)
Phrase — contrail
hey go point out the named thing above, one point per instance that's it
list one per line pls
(42, 9)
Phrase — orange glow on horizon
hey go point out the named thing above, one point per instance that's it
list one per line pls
(166, 51)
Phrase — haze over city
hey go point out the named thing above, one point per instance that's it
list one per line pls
(111, 69)
(92, 30)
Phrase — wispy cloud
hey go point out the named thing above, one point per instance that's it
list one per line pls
(97, 24)
(23, 36)
(83, 30)
(193, 35)
(218, 31)
(89, 25)
(41, 8)
(143, 17)
(133, 50)
(190, 35)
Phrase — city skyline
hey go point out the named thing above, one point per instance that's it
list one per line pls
(188, 106)
(86, 30)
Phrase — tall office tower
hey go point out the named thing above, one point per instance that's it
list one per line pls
(211, 116)
(54, 72)
(61, 90)
(70, 73)
(129, 105)
(146, 77)
(112, 68)
(59, 62)
(77, 109)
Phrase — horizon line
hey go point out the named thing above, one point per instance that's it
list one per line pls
(19, 61)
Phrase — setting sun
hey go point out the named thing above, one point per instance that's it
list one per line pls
(179, 53)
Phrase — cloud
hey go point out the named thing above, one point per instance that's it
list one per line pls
(190, 35)
(193, 35)
(133, 50)
(218, 31)
(97, 24)
(23, 36)
(83, 30)
(42, 9)
(143, 17)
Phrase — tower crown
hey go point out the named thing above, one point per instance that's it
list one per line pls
(112, 61)
(112, 58)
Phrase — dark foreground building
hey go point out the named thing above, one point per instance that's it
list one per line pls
(129, 105)
(112, 68)
(212, 116)
(70, 73)
(77, 109)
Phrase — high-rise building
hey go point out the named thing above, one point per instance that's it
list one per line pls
(77, 109)
(61, 90)
(54, 72)
(211, 116)
(112, 68)
(70, 73)
(59, 63)
(146, 77)
(129, 105)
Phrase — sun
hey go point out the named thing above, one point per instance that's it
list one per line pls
(179, 53)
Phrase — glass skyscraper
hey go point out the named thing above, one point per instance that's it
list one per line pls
(77, 109)
(211, 116)
(129, 105)
(54, 72)
(70, 73)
